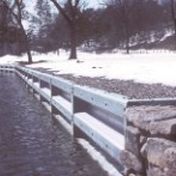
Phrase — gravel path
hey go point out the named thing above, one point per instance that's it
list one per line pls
(128, 88)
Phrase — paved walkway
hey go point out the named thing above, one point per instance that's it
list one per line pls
(31, 144)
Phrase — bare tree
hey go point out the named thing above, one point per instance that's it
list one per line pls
(3, 19)
(124, 9)
(3, 14)
(70, 11)
(173, 13)
(16, 11)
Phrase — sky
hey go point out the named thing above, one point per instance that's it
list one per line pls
(94, 3)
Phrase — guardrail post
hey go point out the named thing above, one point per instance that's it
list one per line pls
(32, 88)
(41, 84)
(50, 87)
(78, 106)
(27, 78)
(72, 102)
(54, 92)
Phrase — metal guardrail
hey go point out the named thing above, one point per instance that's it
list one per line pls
(6, 68)
(95, 113)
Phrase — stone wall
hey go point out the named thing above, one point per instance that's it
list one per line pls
(150, 141)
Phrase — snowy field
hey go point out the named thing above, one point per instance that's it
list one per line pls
(145, 67)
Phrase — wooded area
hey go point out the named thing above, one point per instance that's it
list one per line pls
(68, 24)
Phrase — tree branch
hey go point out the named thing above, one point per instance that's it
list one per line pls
(62, 11)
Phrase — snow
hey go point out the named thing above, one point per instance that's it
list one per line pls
(167, 34)
(142, 66)
(97, 156)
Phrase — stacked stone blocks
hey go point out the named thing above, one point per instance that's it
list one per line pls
(150, 148)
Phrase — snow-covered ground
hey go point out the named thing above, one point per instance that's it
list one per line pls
(145, 67)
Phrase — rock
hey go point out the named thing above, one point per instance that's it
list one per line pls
(161, 157)
(155, 171)
(131, 174)
(142, 140)
(132, 140)
(153, 119)
(166, 127)
(131, 162)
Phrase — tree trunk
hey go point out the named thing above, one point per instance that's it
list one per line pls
(28, 51)
(175, 32)
(173, 13)
(72, 24)
(127, 37)
(127, 44)
(73, 42)
(29, 56)
(175, 25)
